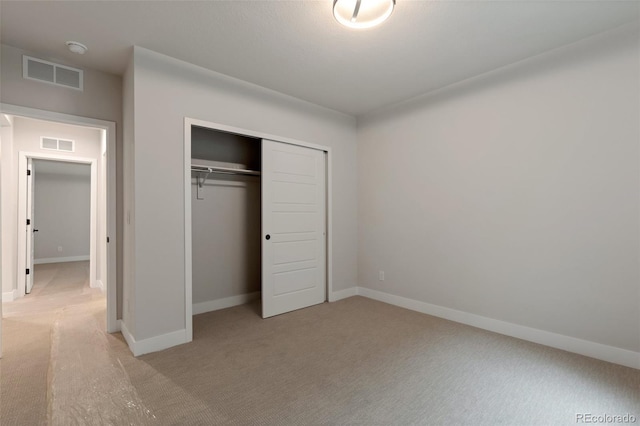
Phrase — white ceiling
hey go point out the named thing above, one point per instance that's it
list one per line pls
(61, 168)
(297, 48)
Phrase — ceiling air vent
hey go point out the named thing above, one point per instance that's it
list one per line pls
(56, 144)
(49, 72)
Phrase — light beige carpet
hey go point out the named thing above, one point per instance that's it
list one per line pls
(356, 362)
(28, 333)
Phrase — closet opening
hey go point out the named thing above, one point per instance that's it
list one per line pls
(257, 222)
(225, 219)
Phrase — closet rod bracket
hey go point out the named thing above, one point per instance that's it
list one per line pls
(201, 180)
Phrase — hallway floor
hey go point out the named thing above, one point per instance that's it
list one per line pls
(58, 363)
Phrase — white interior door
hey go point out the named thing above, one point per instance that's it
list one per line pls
(30, 227)
(293, 227)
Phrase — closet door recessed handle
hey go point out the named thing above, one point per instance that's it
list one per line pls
(268, 237)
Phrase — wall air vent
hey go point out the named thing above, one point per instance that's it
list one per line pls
(52, 73)
(56, 144)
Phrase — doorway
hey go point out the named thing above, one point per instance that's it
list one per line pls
(15, 211)
(59, 230)
(27, 172)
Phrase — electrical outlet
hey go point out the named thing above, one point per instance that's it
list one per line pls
(381, 275)
(59, 249)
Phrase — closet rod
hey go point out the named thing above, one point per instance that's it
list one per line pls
(224, 170)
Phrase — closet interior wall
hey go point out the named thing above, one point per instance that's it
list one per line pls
(226, 218)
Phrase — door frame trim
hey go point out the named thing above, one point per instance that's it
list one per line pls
(110, 128)
(188, 264)
(23, 157)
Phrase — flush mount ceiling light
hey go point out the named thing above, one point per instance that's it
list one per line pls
(76, 47)
(362, 13)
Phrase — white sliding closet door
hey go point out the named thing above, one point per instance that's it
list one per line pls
(293, 227)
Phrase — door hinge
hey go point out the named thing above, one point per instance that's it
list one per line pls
(28, 172)
(107, 239)
(28, 221)
(27, 271)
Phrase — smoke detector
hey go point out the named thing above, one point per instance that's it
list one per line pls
(76, 47)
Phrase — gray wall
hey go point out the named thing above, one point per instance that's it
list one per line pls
(514, 196)
(101, 99)
(62, 211)
(166, 91)
(226, 238)
(8, 211)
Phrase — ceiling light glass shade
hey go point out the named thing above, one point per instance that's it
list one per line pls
(76, 47)
(362, 13)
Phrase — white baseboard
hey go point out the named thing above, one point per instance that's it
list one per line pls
(165, 341)
(571, 344)
(116, 328)
(127, 336)
(99, 284)
(152, 344)
(227, 302)
(10, 296)
(343, 294)
(60, 259)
